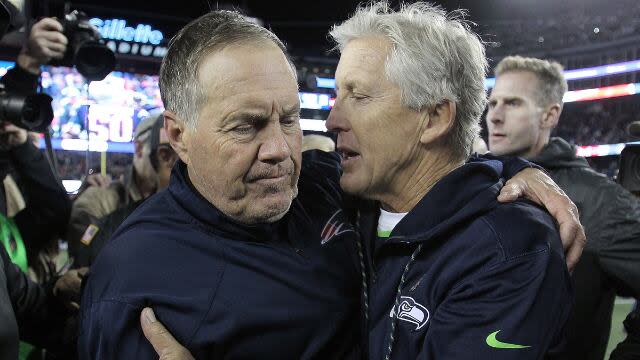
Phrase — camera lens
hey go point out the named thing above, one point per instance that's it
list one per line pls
(94, 60)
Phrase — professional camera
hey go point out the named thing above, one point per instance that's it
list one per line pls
(86, 50)
(32, 112)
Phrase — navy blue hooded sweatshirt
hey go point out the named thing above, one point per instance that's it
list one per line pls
(287, 290)
(464, 277)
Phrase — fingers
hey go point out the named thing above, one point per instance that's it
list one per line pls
(82, 272)
(511, 191)
(98, 180)
(50, 37)
(162, 341)
(46, 41)
(8, 127)
(49, 24)
(573, 240)
(46, 48)
(571, 231)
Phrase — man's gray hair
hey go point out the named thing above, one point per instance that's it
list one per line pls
(435, 58)
(551, 80)
(180, 88)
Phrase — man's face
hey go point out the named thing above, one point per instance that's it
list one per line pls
(377, 135)
(141, 163)
(244, 154)
(514, 117)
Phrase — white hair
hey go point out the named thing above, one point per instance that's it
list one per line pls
(435, 57)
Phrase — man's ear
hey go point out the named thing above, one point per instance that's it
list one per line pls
(138, 147)
(551, 116)
(439, 121)
(177, 133)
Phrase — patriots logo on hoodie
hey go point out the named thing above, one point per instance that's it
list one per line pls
(334, 227)
(412, 312)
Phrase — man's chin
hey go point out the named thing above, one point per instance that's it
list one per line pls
(265, 211)
(350, 186)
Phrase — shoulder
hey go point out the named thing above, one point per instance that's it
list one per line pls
(520, 228)
(153, 245)
(320, 176)
(97, 200)
(150, 260)
(318, 162)
(596, 195)
(580, 178)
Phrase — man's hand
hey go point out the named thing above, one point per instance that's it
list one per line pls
(162, 341)
(536, 186)
(45, 42)
(67, 288)
(11, 135)
(99, 180)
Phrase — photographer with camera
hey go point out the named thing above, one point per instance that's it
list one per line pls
(34, 208)
(41, 216)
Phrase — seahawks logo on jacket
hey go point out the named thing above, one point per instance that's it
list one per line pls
(411, 312)
(336, 225)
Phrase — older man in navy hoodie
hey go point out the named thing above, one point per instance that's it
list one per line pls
(237, 258)
(453, 273)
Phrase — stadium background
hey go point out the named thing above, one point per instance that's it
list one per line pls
(598, 43)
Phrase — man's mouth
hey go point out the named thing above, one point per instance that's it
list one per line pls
(271, 176)
(348, 155)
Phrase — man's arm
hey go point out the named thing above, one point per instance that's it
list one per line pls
(47, 204)
(40, 314)
(110, 330)
(514, 310)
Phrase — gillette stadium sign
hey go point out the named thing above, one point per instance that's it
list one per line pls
(122, 38)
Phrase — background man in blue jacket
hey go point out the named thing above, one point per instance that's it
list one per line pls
(242, 260)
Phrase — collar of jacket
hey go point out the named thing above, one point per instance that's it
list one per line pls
(213, 219)
(460, 196)
(559, 154)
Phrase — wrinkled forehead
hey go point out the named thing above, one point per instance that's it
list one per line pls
(254, 75)
(243, 62)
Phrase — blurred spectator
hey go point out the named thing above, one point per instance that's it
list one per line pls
(37, 313)
(98, 233)
(319, 142)
(34, 210)
(97, 202)
(598, 122)
(40, 208)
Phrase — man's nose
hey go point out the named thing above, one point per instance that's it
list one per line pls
(336, 121)
(495, 115)
(275, 147)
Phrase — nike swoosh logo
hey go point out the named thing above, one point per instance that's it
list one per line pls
(495, 343)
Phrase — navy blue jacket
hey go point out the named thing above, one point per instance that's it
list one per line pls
(288, 290)
(477, 279)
